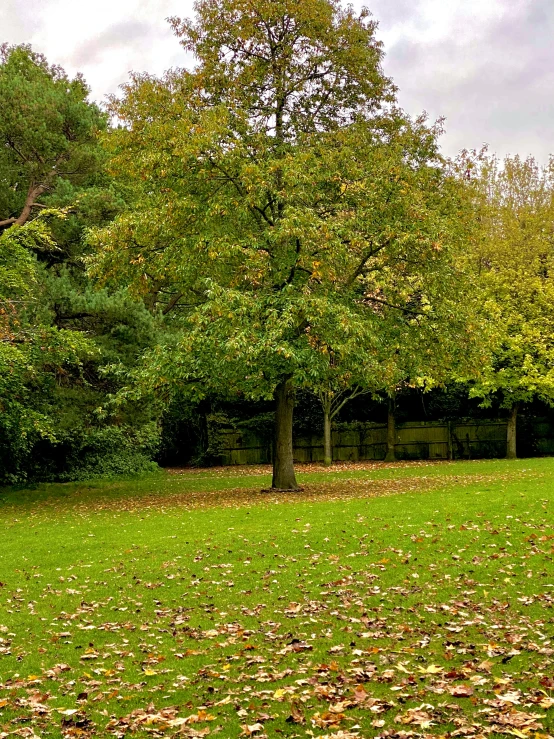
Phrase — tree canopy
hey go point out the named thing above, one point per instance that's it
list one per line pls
(57, 333)
(514, 258)
(266, 222)
(48, 129)
(284, 207)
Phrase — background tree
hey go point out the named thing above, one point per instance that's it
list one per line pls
(280, 200)
(48, 130)
(333, 398)
(413, 346)
(32, 355)
(58, 334)
(514, 261)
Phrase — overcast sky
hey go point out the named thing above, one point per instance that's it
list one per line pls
(485, 65)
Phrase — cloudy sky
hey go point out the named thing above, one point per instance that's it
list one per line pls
(487, 66)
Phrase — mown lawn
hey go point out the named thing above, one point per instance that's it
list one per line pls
(391, 601)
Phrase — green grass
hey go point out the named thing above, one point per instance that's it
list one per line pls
(417, 598)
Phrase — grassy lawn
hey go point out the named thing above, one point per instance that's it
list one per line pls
(391, 601)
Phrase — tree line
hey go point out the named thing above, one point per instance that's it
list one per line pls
(265, 223)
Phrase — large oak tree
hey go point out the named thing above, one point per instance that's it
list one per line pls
(283, 207)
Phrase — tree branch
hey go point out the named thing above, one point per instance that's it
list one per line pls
(391, 305)
(365, 259)
(236, 183)
(172, 303)
(33, 193)
(356, 392)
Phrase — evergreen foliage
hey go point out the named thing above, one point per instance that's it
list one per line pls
(58, 334)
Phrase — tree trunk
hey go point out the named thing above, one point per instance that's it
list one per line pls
(391, 432)
(511, 452)
(283, 461)
(327, 431)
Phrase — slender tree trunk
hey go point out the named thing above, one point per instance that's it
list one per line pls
(511, 452)
(391, 432)
(283, 460)
(203, 440)
(327, 431)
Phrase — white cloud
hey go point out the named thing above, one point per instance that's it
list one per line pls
(104, 39)
(484, 64)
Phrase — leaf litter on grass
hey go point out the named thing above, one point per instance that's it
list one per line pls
(349, 622)
(331, 490)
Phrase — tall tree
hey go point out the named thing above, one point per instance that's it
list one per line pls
(514, 259)
(282, 203)
(57, 334)
(48, 131)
